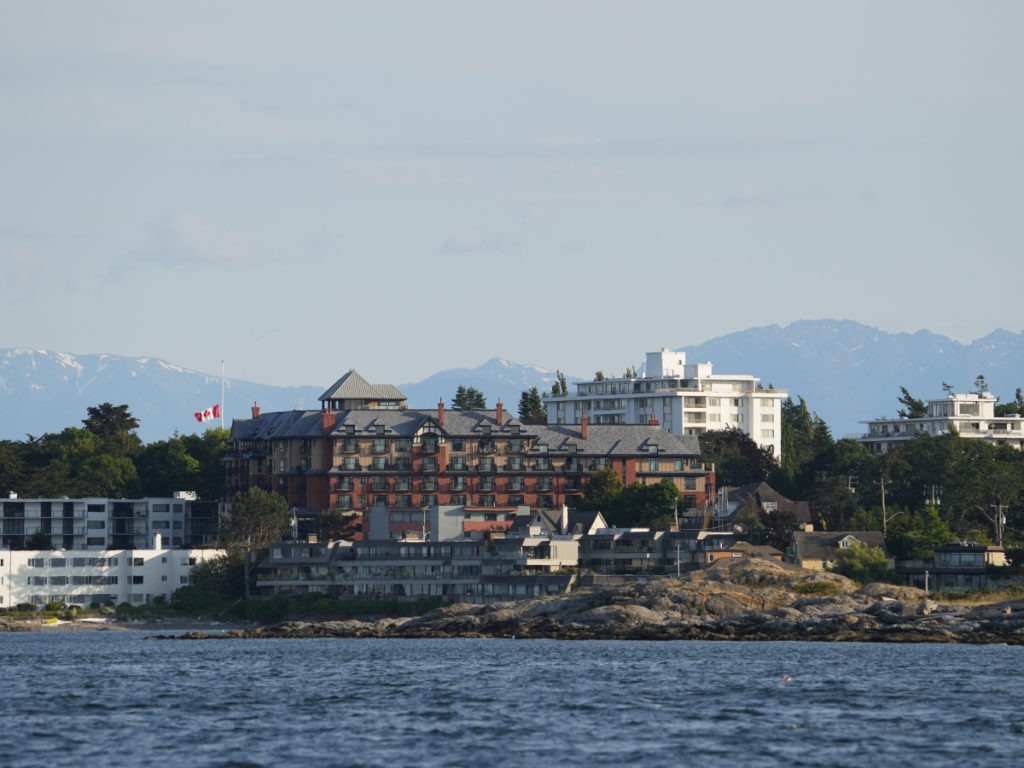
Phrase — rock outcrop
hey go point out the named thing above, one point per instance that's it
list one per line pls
(743, 599)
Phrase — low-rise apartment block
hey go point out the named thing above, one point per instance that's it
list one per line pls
(102, 523)
(137, 576)
(684, 398)
(970, 415)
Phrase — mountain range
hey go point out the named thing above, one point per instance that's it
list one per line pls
(846, 371)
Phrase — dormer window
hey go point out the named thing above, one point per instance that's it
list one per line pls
(379, 429)
(570, 447)
(652, 448)
(485, 429)
(514, 428)
(350, 429)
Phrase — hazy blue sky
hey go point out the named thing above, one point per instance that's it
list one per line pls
(302, 188)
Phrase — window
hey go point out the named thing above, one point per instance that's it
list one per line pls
(96, 525)
(137, 579)
(767, 418)
(652, 465)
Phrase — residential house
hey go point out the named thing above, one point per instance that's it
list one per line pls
(959, 566)
(816, 550)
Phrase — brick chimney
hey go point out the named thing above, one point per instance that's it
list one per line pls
(440, 411)
(583, 426)
(255, 410)
(501, 414)
(326, 421)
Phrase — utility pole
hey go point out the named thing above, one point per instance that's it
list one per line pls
(885, 516)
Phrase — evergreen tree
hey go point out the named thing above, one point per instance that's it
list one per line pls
(468, 399)
(915, 409)
(531, 408)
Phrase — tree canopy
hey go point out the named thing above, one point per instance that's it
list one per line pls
(104, 458)
(862, 562)
(468, 399)
(531, 408)
(257, 518)
(915, 409)
(737, 458)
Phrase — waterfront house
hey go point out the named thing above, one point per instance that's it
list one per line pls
(816, 550)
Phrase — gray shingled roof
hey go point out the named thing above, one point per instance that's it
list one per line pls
(823, 544)
(278, 425)
(602, 439)
(616, 439)
(352, 386)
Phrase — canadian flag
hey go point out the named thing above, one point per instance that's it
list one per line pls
(209, 414)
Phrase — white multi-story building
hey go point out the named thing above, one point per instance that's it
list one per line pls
(970, 415)
(83, 577)
(686, 399)
(101, 523)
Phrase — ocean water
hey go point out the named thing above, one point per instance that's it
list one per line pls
(124, 699)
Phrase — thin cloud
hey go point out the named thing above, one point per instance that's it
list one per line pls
(188, 241)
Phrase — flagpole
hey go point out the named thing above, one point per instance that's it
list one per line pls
(222, 394)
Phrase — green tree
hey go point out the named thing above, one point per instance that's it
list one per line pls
(333, 524)
(166, 466)
(599, 376)
(115, 426)
(1014, 406)
(531, 408)
(737, 458)
(915, 534)
(862, 563)
(560, 387)
(257, 518)
(640, 506)
(915, 409)
(601, 489)
(468, 399)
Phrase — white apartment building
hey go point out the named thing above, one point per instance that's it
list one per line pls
(971, 415)
(83, 577)
(686, 399)
(102, 523)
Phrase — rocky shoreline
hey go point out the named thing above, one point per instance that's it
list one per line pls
(744, 599)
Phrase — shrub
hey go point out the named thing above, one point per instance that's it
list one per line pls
(816, 588)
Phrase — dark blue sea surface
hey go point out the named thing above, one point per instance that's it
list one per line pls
(123, 699)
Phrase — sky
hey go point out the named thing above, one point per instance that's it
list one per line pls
(302, 188)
